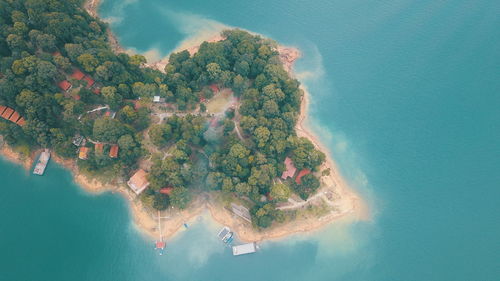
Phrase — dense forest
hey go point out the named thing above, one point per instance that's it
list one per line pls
(42, 42)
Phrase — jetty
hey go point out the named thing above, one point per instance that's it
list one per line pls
(42, 162)
(244, 249)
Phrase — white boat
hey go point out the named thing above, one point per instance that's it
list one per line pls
(244, 249)
(43, 160)
(223, 232)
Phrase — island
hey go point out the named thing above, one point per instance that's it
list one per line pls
(217, 127)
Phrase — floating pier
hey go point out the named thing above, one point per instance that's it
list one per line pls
(42, 162)
(244, 249)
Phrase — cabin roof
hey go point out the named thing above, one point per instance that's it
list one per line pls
(139, 181)
(21, 122)
(167, 190)
(83, 154)
(96, 91)
(64, 85)
(90, 81)
(7, 113)
(15, 116)
(98, 147)
(113, 152)
(77, 74)
(214, 88)
(302, 173)
(2, 108)
(290, 169)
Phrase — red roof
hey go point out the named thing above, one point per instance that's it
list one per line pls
(167, 190)
(136, 104)
(214, 88)
(64, 85)
(77, 74)
(90, 81)
(56, 53)
(99, 147)
(7, 113)
(214, 122)
(83, 153)
(302, 173)
(15, 116)
(290, 169)
(96, 91)
(113, 152)
(2, 108)
(21, 122)
(160, 244)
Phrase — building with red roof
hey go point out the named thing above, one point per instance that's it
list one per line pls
(77, 74)
(14, 117)
(167, 190)
(64, 85)
(98, 147)
(113, 152)
(89, 80)
(139, 181)
(83, 154)
(21, 122)
(214, 88)
(302, 173)
(96, 91)
(7, 113)
(290, 169)
(11, 115)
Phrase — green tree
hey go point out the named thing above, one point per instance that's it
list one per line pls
(111, 97)
(214, 71)
(180, 197)
(107, 130)
(262, 135)
(161, 201)
(280, 192)
(88, 62)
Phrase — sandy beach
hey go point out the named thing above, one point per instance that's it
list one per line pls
(8, 153)
(346, 201)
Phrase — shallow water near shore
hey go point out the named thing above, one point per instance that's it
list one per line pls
(404, 93)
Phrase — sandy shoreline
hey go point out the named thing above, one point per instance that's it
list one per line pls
(347, 202)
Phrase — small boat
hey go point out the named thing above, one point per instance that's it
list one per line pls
(185, 225)
(228, 237)
(223, 232)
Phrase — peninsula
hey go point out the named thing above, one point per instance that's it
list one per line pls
(219, 126)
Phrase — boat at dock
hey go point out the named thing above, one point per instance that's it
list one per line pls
(225, 235)
(42, 162)
(228, 238)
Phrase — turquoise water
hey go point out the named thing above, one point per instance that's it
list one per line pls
(405, 93)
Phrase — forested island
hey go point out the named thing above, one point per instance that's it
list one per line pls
(219, 124)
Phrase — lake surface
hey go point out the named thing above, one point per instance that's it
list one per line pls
(406, 94)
